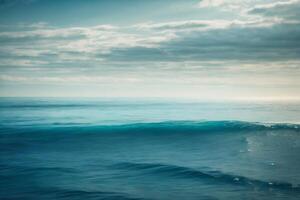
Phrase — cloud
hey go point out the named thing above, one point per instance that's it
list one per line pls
(244, 41)
(178, 25)
(22, 63)
(211, 3)
(282, 9)
(69, 79)
(206, 25)
(209, 51)
(60, 46)
(250, 37)
(229, 4)
(40, 30)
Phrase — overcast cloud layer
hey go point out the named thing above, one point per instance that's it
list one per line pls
(200, 49)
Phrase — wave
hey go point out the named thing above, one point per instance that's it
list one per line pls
(230, 125)
(154, 127)
(216, 177)
(8, 171)
(74, 194)
(80, 194)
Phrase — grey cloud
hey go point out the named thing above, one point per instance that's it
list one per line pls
(192, 24)
(286, 9)
(278, 42)
(91, 46)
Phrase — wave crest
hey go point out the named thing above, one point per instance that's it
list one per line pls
(153, 127)
(175, 171)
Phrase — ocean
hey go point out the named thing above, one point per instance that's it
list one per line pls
(118, 148)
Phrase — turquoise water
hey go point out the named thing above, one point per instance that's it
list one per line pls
(148, 149)
(51, 111)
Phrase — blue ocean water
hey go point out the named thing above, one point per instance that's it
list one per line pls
(148, 149)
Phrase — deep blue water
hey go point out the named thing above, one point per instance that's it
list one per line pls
(148, 149)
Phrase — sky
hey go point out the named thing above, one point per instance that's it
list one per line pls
(203, 49)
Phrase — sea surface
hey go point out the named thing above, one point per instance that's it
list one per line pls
(121, 149)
